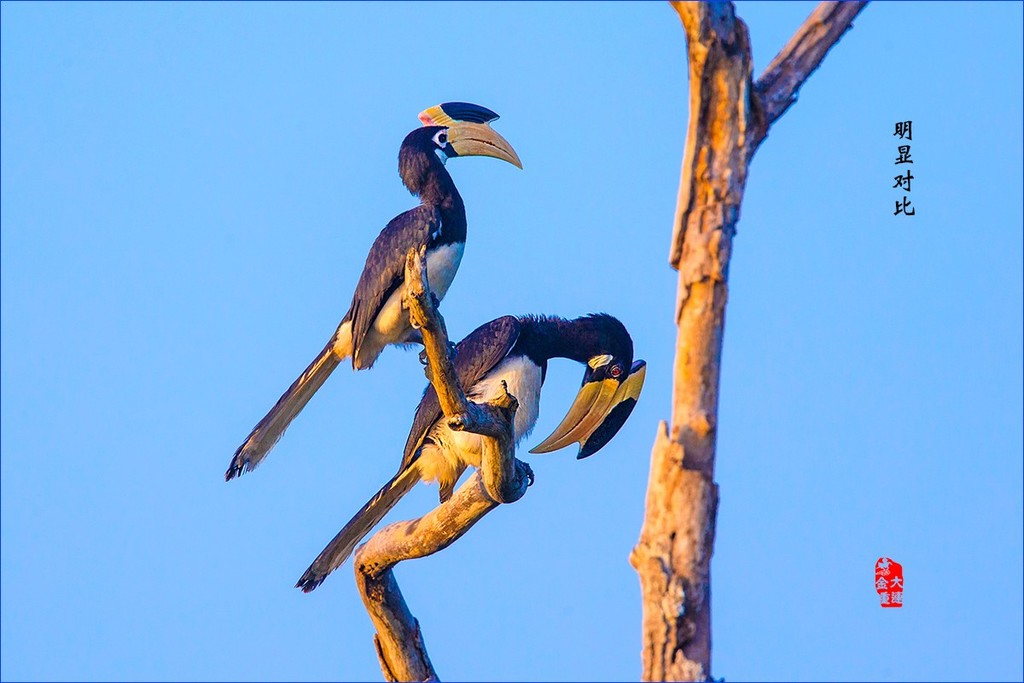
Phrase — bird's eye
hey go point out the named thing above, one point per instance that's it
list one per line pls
(441, 139)
(615, 371)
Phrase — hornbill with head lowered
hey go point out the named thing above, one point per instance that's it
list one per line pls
(515, 350)
(376, 319)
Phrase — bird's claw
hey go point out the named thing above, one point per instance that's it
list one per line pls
(453, 352)
(528, 471)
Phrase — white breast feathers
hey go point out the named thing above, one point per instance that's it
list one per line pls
(452, 451)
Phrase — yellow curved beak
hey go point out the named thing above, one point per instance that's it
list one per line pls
(622, 406)
(479, 139)
(594, 404)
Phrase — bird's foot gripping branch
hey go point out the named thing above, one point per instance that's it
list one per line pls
(501, 479)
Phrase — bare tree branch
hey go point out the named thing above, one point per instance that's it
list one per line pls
(672, 556)
(501, 479)
(780, 82)
(729, 118)
(771, 96)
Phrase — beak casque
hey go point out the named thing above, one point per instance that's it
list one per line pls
(447, 112)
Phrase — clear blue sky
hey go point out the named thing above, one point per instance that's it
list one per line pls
(188, 194)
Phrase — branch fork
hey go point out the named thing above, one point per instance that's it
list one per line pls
(501, 479)
(730, 116)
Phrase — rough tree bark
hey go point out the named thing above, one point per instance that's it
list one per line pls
(729, 118)
(501, 479)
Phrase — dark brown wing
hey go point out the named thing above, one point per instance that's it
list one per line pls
(384, 271)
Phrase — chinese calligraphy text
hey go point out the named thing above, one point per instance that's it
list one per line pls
(904, 129)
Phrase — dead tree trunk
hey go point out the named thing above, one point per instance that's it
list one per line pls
(729, 117)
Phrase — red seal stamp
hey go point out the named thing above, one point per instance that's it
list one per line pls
(889, 582)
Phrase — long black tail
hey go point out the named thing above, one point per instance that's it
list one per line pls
(338, 550)
(268, 432)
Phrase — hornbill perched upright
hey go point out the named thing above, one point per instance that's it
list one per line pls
(376, 319)
(516, 350)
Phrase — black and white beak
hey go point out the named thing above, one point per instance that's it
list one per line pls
(600, 409)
